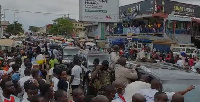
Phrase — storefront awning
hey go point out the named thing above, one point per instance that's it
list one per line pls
(160, 15)
(7, 42)
(196, 20)
(142, 16)
(177, 18)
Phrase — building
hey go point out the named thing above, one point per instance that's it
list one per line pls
(4, 24)
(172, 20)
(78, 27)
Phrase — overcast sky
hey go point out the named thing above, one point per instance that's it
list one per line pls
(57, 8)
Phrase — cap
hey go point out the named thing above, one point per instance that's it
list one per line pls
(15, 77)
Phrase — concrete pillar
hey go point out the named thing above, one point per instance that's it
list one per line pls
(101, 30)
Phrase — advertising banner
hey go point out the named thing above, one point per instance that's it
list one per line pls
(99, 10)
(178, 8)
(129, 12)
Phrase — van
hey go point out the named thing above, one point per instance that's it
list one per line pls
(187, 50)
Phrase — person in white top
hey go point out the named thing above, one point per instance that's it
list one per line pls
(181, 62)
(76, 75)
(156, 86)
(26, 77)
(56, 53)
(134, 87)
(8, 88)
(141, 55)
(120, 88)
(114, 56)
(57, 72)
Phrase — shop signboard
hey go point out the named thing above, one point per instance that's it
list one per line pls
(178, 8)
(99, 10)
(128, 12)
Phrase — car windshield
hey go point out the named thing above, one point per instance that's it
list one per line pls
(70, 52)
(177, 49)
(188, 50)
(180, 85)
(101, 57)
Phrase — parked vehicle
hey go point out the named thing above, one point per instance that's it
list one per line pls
(68, 56)
(69, 53)
(172, 78)
(187, 50)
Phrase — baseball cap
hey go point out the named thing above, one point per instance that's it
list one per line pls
(15, 77)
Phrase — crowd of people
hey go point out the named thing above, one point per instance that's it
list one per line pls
(24, 81)
(146, 28)
(182, 60)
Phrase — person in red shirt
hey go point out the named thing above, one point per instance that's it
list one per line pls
(121, 52)
(120, 88)
(8, 90)
(191, 62)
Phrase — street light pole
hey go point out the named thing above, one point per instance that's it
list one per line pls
(14, 22)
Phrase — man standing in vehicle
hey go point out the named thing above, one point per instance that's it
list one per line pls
(114, 56)
(124, 74)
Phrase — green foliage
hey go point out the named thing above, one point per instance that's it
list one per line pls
(14, 29)
(33, 29)
(62, 26)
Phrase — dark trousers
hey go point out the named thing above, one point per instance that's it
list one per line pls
(75, 87)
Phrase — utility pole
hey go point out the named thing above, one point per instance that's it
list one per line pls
(68, 15)
(14, 22)
(4, 15)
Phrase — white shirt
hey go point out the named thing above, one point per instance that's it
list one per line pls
(21, 70)
(114, 56)
(149, 94)
(76, 71)
(2, 98)
(25, 96)
(180, 63)
(25, 100)
(56, 53)
(117, 100)
(23, 80)
(50, 72)
(133, 88)
(55, 83)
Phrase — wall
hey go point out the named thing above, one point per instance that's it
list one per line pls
(183, 38)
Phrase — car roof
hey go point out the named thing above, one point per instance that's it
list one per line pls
(97, 53)
(71, 48)
(168, 72)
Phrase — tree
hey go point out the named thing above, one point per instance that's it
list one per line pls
(15, 28)
(62, 26)
(33, 29)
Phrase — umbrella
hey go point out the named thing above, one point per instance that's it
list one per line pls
(70, 40)
(82, 40)
(6, 42)
(90, 44)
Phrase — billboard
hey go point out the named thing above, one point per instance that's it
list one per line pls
(128, 12)
(99, 10)
(179, 8)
